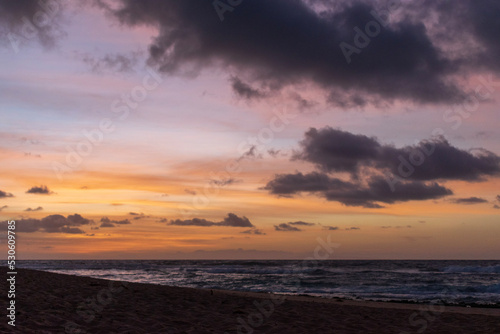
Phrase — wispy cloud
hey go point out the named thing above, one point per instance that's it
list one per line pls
(110, 63)
(254, 231)
(470, 200)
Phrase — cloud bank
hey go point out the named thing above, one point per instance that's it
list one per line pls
(395, 52)
(52, 224)
(368, 172)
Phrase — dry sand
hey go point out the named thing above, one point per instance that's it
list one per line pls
(55, 303)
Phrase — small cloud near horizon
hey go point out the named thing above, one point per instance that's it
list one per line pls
(35, 209)
(284, 227)
(52, 224)
(231, 220)
(41, 190)
(469, 200)
(301, 223)
(255, 231)
(106, 222)
(4, 194)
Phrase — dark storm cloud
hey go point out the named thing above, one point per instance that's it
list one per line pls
(289, 184)
(352, 228)
(377, 189)
(23, 21)
(330, 228)
(4, 194)
(479, 22)
(43, 190)
(380, 173)
(498, 198)
(333, 150)
(496, 206)
(231, 220)
(286, 228)
(52, 224)
(285, 42)
(443, 162)
(336, 150)
(470, 200)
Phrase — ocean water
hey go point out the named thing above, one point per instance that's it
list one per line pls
(474, 283)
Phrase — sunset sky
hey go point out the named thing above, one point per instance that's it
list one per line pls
(200, 129)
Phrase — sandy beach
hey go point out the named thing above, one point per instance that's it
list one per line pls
(55, 303)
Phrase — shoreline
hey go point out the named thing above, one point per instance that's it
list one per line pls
(60, 303)
(408, 304)
(495, 311)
